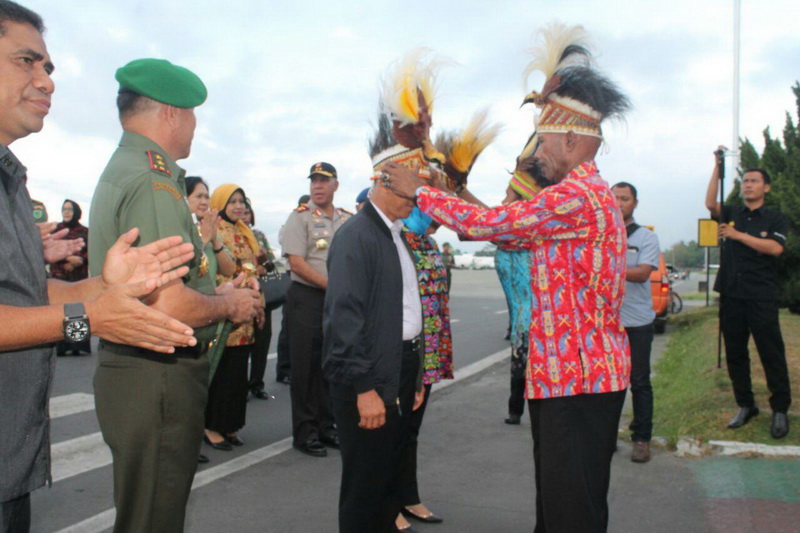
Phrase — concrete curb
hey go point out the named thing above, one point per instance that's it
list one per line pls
(691, 447)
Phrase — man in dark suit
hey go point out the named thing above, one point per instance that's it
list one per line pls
(372, 358)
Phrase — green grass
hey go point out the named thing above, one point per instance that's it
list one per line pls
(694, 398)
(697, 296)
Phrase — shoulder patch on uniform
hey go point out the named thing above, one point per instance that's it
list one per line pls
(317, 212)
(301, 208)
(158, 163)
(343, 210)
(170, 188)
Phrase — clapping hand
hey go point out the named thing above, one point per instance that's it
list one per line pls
(153, 265)
(56, 248)
(209, 225)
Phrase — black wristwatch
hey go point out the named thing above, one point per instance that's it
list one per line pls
(76, 323)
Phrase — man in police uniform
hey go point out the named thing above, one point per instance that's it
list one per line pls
(150, 406)
(306, 238)
(753, 236)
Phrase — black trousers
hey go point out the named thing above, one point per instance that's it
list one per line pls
(226, 409)
(573, 442)
(519, 359)
(409, 488)
(283, 367)
(641, 341)
(15, 515)
(740, 318)
(258, 357)
(311, 413)
(373, 460)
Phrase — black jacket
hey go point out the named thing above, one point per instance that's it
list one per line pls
(363, 319)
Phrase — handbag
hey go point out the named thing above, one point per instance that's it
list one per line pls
(274, 286)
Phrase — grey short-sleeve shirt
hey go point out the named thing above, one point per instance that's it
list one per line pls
(25, 375)
(308, 234)
(637, 306)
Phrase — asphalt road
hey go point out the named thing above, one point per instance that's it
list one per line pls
(82, 486)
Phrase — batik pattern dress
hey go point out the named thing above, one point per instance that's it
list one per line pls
(432, 278)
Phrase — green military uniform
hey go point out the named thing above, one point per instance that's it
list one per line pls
(39, 211)
(150, 406)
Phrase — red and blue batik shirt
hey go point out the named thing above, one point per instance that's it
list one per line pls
(577, 241)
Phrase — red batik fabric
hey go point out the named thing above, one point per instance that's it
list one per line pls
(577, 241)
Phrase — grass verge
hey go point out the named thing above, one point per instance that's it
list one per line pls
(694, 398)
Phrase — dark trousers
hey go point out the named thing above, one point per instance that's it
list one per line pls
(226, 409)
(15, 515)
(283, 367)
(258, 357)
(373, 460)
(740, 318)
(573, 441)
(641, 341)
(519, 362)
(311, 414)
(150, 411)
(409, 488)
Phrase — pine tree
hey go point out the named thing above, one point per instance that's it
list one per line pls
(782, 161)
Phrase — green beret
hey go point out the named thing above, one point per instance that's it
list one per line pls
(163, 82)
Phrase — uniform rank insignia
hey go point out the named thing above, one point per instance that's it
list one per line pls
(158, 163)
(301, 208)
(170, 188)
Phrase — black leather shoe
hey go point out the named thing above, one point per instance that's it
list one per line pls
(234, 440)
(285, 380)
(742, 417)
(223, 446)
(514, 420)
(313, 448)
(202, 459)
(780, 425)
(261, 394)
(432, 518)
(331, 441)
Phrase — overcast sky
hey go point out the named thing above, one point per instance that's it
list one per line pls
(294, 83)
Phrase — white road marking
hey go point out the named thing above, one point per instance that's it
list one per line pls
(454, 320)
(76, 456)
(105, 520)
(71, 404)
(503, 312)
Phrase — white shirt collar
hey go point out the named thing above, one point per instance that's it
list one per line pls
(395, 226)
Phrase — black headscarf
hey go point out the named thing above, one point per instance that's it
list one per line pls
(76, 214)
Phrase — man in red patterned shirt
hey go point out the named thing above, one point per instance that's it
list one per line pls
(579, 361)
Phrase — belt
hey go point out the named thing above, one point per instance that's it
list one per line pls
(190, 352)
(414, 345)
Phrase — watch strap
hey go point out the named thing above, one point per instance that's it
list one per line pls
(74, 310)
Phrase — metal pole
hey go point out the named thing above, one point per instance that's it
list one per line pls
(737, 16)
(708, 277)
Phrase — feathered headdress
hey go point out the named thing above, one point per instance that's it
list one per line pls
(408, 93)
(575, 97)
(461, 149)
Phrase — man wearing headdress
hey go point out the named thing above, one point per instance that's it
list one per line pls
(373, 344)
(579, 362)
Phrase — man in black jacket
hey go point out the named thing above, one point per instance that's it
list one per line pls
(372, 358)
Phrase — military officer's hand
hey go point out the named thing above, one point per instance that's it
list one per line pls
(46, 228)
(159, 260)
(419, 397)
(402, 181)
(371, 410)
(119, 316)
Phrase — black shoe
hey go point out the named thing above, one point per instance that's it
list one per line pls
(313, 448)
(432, 518)
(514, 420)
(261, 394)
(331, 441)
(234, 440)
(285, 380)
(780, 425)
(223, 446)
(202, 459)
(742, 417)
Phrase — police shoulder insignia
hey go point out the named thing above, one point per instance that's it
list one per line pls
(344, 211)
(158, 163)
(301, 208)
(164, 186)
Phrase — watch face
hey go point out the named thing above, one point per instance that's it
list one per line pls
(76, 330)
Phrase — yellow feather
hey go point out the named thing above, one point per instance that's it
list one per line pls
(466, 146)
(414, 72)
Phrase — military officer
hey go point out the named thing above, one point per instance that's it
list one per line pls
(306, 237)
(150, 406)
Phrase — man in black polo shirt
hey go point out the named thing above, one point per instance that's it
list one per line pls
(753, 236)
